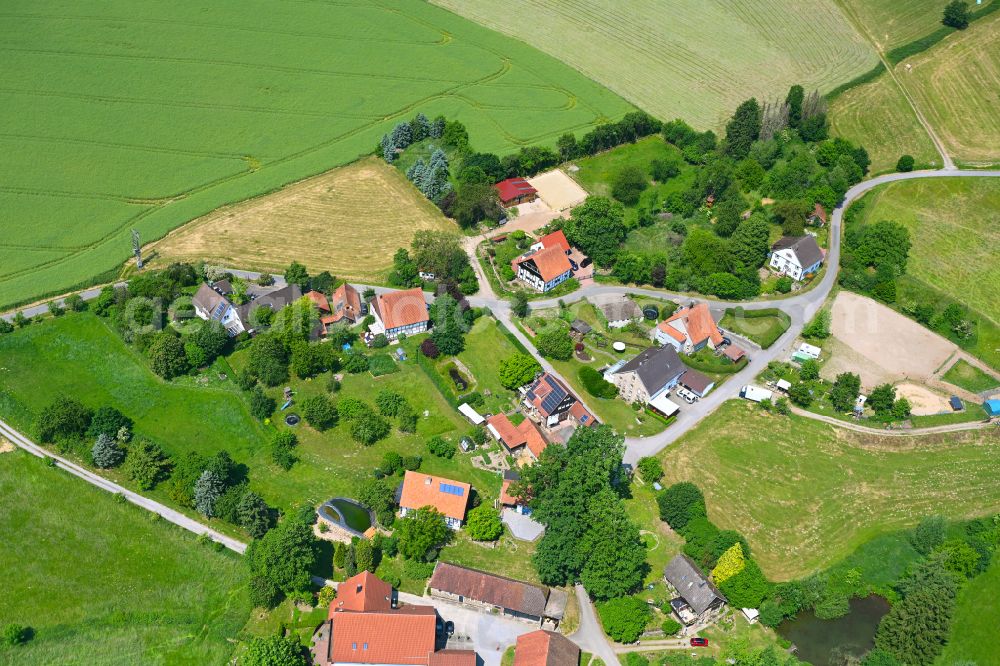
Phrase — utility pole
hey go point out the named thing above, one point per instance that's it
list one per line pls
(137, 249)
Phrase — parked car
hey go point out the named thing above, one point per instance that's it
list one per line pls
(726, 340)
(699, 642)
(449, 628)
(689, 397)
(573, 265)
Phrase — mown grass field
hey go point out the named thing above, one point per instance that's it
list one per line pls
(954, 226)
(101, 583)
(807, 494)
(893, 24)
(969, 377)
(763, 330)
(349, 221)
(957, 87)
(877, 116)
(695, 61)
(122, 115)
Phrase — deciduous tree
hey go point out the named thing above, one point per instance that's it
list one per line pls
(517, 370)
(421, 534)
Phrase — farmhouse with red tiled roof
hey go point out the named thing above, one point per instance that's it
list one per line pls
(543, 270)
(450, 498)
(545, 648)
(689, 329)
(400, 312)
(523, 440)
(365, 626)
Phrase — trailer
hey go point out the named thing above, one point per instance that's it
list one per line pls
(755, 393)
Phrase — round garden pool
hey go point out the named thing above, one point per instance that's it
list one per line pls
(292, 419)
(346, 513)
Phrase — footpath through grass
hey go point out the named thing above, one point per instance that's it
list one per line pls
(806, 494)
(101, 583)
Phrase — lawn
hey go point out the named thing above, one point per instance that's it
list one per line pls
(764, 330)
(954, 226)
(349, 221)
(894, 24)
(955, 85)
(101, 583)
(967, 376)
(124, 115)
(678, 59)
(877, 116)
(975, 622)
(485, 346)
(807, 494)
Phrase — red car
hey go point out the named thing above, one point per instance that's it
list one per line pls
(699, 642)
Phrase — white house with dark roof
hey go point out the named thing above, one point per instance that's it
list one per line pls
(796, 256)
(648, 374)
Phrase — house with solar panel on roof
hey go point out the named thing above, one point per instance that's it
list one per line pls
(549, 402)
(450, 498)
(212, 302)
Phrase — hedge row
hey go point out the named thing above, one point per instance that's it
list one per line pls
(905, 51)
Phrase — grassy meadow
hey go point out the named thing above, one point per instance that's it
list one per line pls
(123, 115)
(967, 376)
(101, 583)
(877, 115)
(79, 355)
(954, 226)
(955, 84)
(807, 494)
(974, 624)
(349, 221)
(695, 61)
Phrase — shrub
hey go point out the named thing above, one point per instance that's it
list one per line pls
(108, 421)
(63, 418)
(628, 184)
(555, 343)
(670, 626)
(746, 589)
(819, 327)
(282, 444)
(650, 469)
(380, 341)
(929, 534)
(429, 349)
(905, 163)
(389, 403)
(783, 285)
(146, 464)
(517, 370)
(16, 634)
(595, 383)
(484, 523)
(441, 448)
(369, 427)
(167, 356)
(731, 563)
(261, 405)
(106, 452)
(273, 651)
(421, 534)
(356, 363)
(624, 619)
(320, 412)
(382, 364)
(680, 503)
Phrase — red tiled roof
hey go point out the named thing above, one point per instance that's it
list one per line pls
(532, 437)
(403, 636)
(555, 239)
(545, 648)
(363, 592)
(551, 262)
(452, 658)
(670, 330)
(420, 490)
(320, 300)
(512, 188)
(581, 414)
(820, 213)
(505, 497)
(508, 432)
(733, 353)
(401, 308)
(346, 303)
(699, 324)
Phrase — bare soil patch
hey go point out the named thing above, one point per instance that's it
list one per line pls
(349, 221)
(884, 345)
(558, 190)
(923, 401)
(6, 446)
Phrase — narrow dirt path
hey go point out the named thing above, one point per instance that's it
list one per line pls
(882, 432)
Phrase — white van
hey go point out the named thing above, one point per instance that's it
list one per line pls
(687, 395)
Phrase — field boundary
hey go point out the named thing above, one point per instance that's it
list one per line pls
(921, 44)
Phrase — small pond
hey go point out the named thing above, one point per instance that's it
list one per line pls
(346, 513)
(834, 642)
(292, 419)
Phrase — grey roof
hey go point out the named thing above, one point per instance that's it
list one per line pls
(580, 326)
(805, 248)
(693, 586)
(555, 607)
(488, 588)
(211, 301)
(655, 367)
(224, 287)
(618, 310)
(275, 300)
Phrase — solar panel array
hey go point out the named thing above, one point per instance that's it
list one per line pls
(452, 489)
(554, 397)
(220, 310)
